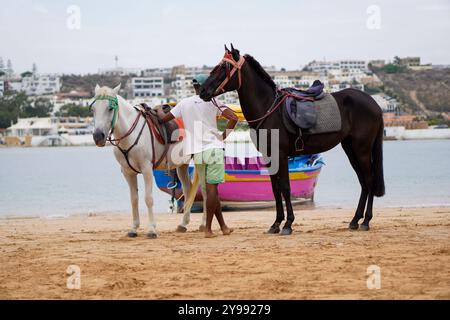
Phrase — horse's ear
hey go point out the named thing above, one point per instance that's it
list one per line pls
(235, 53)
(97, 88)
(116, 89)
(226, 49)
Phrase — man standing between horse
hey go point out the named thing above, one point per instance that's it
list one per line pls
(204, 142)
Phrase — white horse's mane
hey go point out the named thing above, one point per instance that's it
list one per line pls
(104, 91)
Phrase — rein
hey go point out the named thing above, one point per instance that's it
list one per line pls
(115, 142)
(279, 93)
(127, 151)
(272, 108)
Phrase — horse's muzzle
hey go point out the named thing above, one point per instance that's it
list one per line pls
(204, 95)
(99, 138)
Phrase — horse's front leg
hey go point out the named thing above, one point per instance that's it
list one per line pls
(285, 189)
(131, 179)
(276, 189)
(183, 175)
(147, 172)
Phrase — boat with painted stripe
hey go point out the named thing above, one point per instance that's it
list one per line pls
(247, 181)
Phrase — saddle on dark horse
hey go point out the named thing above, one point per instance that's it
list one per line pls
(310, 111)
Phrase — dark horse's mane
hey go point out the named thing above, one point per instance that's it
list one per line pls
(260, 70)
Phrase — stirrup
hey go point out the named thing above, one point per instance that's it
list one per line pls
(299, 138)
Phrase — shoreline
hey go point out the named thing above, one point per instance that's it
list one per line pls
(244, 137)
(322, 259)
(143, 213)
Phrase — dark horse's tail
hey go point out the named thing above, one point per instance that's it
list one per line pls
(377, 164)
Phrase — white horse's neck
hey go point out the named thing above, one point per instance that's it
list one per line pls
(125, 118)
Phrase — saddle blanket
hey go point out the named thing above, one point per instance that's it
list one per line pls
(313, 117)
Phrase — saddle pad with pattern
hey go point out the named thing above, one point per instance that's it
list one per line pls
(327, 116)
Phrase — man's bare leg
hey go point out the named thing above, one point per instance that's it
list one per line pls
(225, 229)
(213, 196)
(211, 204)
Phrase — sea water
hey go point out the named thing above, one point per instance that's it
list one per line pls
(55, 182)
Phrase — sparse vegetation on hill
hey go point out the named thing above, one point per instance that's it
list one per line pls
(73, 110)
(87, 83)
(424, 91)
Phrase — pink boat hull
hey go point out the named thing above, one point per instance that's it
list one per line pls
(256, 187)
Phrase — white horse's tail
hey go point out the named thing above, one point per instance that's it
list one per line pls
(189, 199)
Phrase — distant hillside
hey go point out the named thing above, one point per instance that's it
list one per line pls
(87, 83)
(418, 91)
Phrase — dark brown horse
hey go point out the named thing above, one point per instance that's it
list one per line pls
(361, 134)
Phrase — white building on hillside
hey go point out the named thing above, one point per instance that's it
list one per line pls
(347, 75)
(36, 85)
(50, 126)
(119, 71)
(157, 72)
(15, 85)
(182, 86)
(147, 87)
(338, 86)
(295, 79)
(386, 103)
(33, 126)
(324, 67)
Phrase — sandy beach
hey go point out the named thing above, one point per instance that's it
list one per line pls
(321, 260)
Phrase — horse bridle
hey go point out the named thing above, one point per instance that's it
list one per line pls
(237, 66)
(114, 105)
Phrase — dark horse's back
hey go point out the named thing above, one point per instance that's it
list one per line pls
(357, 103)
(362, 131)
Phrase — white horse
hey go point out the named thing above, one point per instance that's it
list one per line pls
(115, 117)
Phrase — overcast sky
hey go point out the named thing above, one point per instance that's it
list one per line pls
(283, 33)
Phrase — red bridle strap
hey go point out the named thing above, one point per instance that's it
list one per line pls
(236, 67)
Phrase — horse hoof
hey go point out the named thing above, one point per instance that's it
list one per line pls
(181, 229)
(353, 226)
(202, 228)
(132, 234)
(273, 230)
(152, 235)
(364, 227)
(286, 232)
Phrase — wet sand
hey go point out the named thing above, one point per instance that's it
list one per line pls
(321, 260)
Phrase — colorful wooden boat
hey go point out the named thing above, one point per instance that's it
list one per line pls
(247, 183)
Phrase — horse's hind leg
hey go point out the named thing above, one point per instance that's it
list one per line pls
(362, 152)
(183, 175)
(368, 215)
(133, 185)
(347, 146)
(364, 160)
